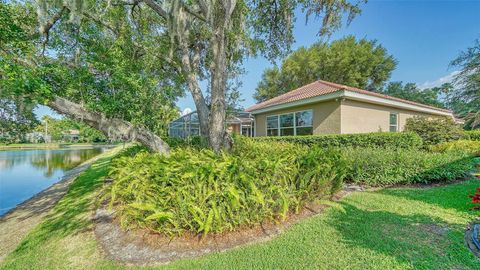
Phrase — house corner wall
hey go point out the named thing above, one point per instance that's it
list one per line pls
(326, 117)
(363, 117)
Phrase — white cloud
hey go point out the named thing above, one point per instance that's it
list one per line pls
(186, 111)
(438, 82)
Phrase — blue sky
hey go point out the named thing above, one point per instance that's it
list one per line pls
(424, 36)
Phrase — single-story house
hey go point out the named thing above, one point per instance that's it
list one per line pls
(323, 107)
(71, 135)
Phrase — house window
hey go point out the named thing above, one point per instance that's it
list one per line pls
(304, 123)
(287, 128)
(393, 122)
(290, 124)
(272, 125)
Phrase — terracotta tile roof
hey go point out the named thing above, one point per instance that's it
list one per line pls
(319, 88)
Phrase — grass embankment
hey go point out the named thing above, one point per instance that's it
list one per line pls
(46, 145)
(404, 228)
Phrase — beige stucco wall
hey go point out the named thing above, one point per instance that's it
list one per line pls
(362, 117)
(326, 117)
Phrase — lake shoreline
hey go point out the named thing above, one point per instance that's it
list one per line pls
(17, 222)
(43, 146)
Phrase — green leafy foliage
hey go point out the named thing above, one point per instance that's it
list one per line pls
(376, 139)
(194, 141)
(410, 91)
(436, 130)
(473, 135)
(380, 167)
(464, 99)
(358, 63)
(196, 190)
(464, 146)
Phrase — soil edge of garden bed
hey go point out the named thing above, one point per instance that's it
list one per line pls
(145, 248)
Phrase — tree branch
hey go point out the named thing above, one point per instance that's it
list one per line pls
(156, 7)
(45, 29)
(112, 127)
(193, 12)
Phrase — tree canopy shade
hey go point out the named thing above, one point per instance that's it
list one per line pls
(464, 99)
(205, 40)
(125, 61)
(101, 76)
(359, 63)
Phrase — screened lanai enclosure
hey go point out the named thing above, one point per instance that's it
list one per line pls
(189, 126)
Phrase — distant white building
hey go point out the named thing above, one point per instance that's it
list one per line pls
(37, 137)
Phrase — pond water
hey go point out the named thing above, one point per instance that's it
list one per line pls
(23, 173)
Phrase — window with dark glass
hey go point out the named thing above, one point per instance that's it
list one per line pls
(272, 125)
(290, 124)
(393, 122)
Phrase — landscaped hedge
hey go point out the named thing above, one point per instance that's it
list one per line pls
(473, 135)
(380, 167)
(378, 139)
(435, 130)
(194, 141)
(198, 191)
(465, 146)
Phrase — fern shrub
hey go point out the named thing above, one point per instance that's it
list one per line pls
(383, 167)
(196, 190)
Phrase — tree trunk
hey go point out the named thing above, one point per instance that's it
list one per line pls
(113, 128)
(200, 104)
(218, 71)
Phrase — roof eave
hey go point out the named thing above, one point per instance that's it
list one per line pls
(342, 93)
(306, 101)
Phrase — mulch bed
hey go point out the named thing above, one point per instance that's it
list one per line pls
(144, 247)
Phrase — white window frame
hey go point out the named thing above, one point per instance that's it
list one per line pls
(396, 124)
(294, 122)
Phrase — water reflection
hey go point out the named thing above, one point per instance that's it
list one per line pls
(47, 161)
(23, 173)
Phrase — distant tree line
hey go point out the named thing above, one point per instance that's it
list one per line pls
(59, 130)
(366, 64)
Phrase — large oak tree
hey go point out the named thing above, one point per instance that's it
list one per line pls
(199, 40)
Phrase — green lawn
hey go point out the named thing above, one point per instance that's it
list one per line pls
(402, 228)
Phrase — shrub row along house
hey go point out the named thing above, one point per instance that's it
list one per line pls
(324, 107)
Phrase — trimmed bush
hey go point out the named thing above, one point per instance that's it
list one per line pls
(436, 130)
(464, 146)
(408, 140)
(196, 190)
(381, 167)
(473, 135)
(196, 141)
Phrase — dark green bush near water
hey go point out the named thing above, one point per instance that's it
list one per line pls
(196, 190)
(436, 130)
(408, 140)
(383, 167)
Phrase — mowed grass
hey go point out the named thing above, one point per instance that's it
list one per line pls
(404, 228)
